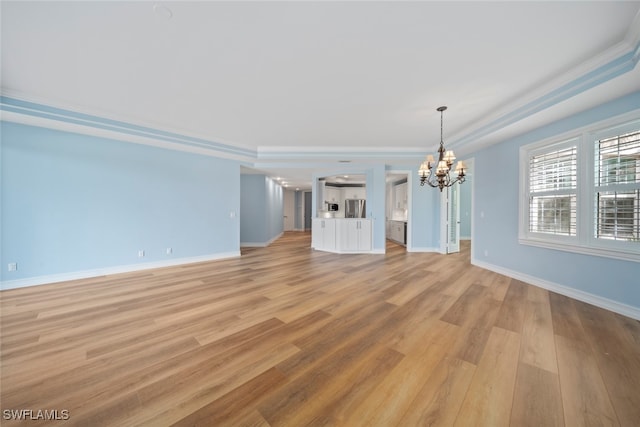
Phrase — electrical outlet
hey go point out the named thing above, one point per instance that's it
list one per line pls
(169, 251)
(140, 254)
(12, 266)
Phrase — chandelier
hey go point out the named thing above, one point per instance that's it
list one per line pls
(440, 177)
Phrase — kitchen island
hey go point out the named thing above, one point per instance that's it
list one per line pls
(341, 235)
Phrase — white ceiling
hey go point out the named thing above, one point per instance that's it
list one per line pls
(305, 84)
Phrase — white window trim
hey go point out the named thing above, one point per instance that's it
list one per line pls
(584, 242)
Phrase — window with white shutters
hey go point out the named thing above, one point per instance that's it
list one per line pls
(581, 192)
(617, 191)
(553, 192)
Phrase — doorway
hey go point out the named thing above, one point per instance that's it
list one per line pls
(289, 210)
(398, 207)
(450, 219)
(307, 210)
(456, 207)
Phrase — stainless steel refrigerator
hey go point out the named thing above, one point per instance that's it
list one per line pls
(355, 208)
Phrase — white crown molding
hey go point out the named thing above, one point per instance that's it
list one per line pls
(34, 112)
(9, 116)
(347, 150)
(361, 154)
(613, 62)
(115, 117)
(618, 59)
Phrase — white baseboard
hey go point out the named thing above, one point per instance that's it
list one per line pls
(422, 249)
(86, 274)
(341, 252)
(598, 301)
(260, 244)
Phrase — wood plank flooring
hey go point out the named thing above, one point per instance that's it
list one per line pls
(287, 336)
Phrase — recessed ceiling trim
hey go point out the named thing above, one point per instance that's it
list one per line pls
(288, 149)
(45, 115)
(12, 117)
(341, 153)
(589, 80)
(35, 114)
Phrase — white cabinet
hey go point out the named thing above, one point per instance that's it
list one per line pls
(355, 235)
(364, 235)
(400, 196)
(341, 235)
(354, 193)
(323, 234)
(396, 231)
(332, 195)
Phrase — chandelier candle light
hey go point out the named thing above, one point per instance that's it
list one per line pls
(440, 178)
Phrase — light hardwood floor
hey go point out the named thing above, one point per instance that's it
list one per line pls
(286, 336)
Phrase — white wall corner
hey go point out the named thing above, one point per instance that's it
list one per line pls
(260, 244)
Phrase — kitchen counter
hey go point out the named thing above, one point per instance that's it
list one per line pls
(341, 235)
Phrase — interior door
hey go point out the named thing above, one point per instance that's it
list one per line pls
(453, 220)
(307, 210)
(450, 219)
(289, 210)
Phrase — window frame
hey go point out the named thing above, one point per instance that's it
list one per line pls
(585, 240)
(538, 151)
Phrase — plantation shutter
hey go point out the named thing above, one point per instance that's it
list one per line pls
(617, 192)
(552, 192)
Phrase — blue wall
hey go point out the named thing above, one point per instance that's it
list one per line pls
(275, 208)
(496, 202)
(73, 203)
(425, 215)
(465, 207)
(261, 210)
(376, 198)
(252, 209)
